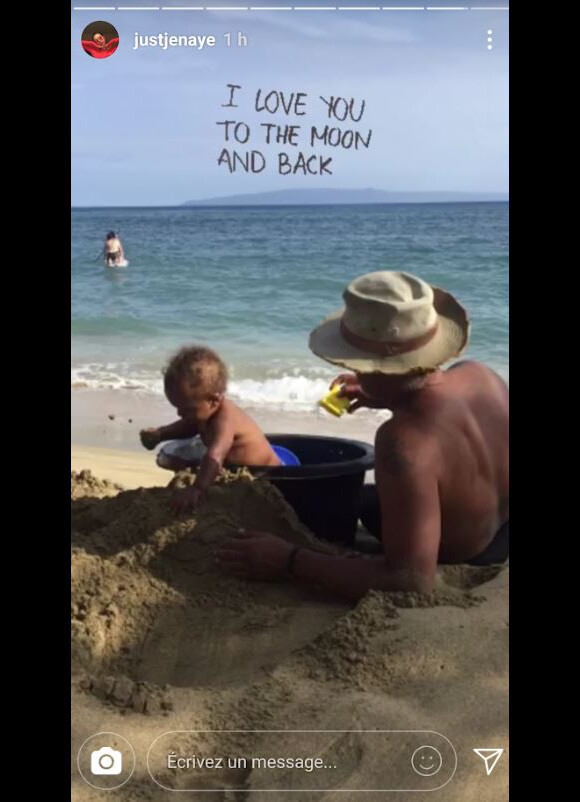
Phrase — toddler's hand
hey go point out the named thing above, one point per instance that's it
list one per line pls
(186, 500)
(149, 438)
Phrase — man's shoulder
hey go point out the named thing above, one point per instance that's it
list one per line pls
(467, 366)
(469, 375)
(473, 368)
(402, 444)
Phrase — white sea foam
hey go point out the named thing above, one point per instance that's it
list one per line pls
(288, 392)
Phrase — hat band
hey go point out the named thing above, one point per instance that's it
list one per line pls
(384, 347)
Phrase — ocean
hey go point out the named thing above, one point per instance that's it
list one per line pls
(252, 282)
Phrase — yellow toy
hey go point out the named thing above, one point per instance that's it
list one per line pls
(333, 403)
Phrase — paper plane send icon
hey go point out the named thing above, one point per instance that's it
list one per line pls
(489, 757)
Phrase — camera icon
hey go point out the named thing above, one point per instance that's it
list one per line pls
(106, 761)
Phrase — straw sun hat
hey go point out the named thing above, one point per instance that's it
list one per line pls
(392, 323)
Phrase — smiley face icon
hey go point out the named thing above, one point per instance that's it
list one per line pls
(426, 761)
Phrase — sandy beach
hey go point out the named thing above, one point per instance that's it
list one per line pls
(161, 641)
(112, 419)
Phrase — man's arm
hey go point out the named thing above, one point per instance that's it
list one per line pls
(348, 578)
(408, 488)
(409, 501)
(411, 525)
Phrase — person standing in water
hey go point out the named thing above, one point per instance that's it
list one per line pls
(113, 250)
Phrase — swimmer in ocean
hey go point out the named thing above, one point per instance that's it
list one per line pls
(113, 250)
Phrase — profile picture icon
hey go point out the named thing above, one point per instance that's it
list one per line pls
(100, 39)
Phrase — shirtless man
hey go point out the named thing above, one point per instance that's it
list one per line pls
(441, 467)
(113, 250)
(195, 384)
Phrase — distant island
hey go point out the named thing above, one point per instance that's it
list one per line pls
(328, 197)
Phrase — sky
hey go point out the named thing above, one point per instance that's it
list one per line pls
(144, 120)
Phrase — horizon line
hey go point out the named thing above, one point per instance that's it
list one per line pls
(208, 205)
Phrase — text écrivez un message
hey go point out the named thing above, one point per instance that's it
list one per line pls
(197, 762)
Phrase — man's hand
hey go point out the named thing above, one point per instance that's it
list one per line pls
(254, 555)
(186, 500)
(352, 390)
(150, 438)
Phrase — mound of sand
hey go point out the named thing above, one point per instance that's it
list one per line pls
(158, 630)
(84, 485)
(145, 583)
